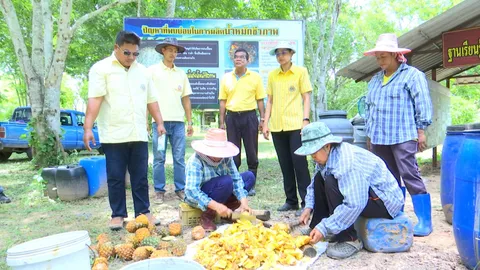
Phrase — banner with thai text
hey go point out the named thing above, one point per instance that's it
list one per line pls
(210, 45)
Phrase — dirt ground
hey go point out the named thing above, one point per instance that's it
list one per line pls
(437, 251)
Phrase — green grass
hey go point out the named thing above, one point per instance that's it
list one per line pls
(30, 215)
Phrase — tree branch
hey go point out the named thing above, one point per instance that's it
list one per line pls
(48, 34)
(37, 39)
(97, 12)
(10, 16)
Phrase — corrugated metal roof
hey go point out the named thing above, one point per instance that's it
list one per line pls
(425, 41)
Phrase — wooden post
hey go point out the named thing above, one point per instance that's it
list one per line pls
(434, 150)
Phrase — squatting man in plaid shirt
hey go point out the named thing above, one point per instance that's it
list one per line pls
(213, 182)
(349, 181)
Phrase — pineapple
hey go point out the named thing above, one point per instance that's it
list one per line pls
(178, 248)
(100, 263)
(164, 245)
(162, 231)
(198, 233)
(131, 239)
(100, 260)
(162, 253)
(150, 241)
(106, 250)
(141, 234)
(152, 228)
(100, 266)
(142, 253)
(102, 238)
(175, 228)
(142, 221)
(131, 226)
(124, 251)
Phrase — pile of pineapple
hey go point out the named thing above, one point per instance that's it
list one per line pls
(247, 246)
(143, 241)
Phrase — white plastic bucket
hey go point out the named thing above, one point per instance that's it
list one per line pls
(165, 264)
(55, 252)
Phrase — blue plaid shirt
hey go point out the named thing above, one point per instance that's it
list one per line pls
(198, 172)
(356, 170)
(396, 110)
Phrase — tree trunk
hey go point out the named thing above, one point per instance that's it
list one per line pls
(171, 8)
(43, 69)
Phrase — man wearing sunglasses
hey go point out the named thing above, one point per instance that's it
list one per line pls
(119, 92)
(241, 93)
(173, 89)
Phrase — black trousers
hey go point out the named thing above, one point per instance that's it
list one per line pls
(328, 197)
(118, 156)
(294, 168)
(244, 126)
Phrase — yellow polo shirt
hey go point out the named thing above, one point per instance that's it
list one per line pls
(241, 94)
(171, 85)
(286, 89)
(123, 113)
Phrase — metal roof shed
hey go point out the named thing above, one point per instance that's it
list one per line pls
(425, 41)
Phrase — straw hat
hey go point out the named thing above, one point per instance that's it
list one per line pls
(283, 45)
(315, 136)
(387, 43)
(169, 42)
(215, 144)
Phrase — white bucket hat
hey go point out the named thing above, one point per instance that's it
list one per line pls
(283, 45)
(387, 43)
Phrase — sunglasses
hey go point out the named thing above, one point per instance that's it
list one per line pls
(278, 53)
(128, 53)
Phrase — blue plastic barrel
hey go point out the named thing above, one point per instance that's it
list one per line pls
(451, 148)
(96, 169)
(466, 213)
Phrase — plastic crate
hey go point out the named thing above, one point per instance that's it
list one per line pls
(190, 216)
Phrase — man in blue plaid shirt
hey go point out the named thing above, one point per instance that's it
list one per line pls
(398, 111)
(349, 182)
(213, 182)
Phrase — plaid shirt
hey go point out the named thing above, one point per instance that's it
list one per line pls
(198, 172)
(396, 110)
(356, 170)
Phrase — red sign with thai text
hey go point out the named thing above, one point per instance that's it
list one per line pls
(461, 47)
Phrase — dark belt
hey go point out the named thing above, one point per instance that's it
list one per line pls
(240, 112)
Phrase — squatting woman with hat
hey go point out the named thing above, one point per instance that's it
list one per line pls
(213, 183)
(349, 182)
(398, 110)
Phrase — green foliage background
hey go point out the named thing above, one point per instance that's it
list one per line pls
(359, 25)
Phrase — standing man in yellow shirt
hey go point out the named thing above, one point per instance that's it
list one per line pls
(241, 92)
(288, 109)
(173, 90)
(119, 93)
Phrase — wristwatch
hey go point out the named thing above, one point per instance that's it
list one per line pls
(306, 119)
(190, 123)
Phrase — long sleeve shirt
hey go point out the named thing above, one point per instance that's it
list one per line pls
(396, 110)
(356, 170)
(198, 172)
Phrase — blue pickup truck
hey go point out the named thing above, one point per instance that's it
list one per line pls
(13, 139)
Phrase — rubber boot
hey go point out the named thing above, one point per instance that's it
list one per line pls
(422, 207)
(207, 220)
(404, 192)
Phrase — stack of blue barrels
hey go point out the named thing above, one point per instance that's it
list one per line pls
(466, 198)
